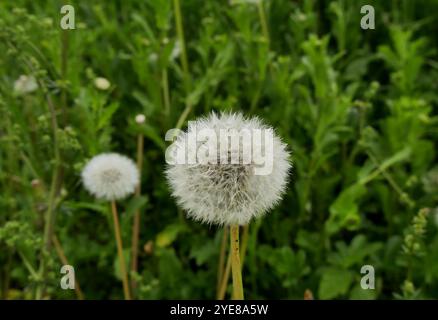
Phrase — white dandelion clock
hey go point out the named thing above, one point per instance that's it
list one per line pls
(227, 170)
(229, 192)
(110, 176)
(25, 84)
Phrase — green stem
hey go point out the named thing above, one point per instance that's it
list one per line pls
(180, 33)
(263, 21)
(49, 217)
(136, 222)
(184, 115)
(225, 278)
(236, 268)
(28, 265)
(166, 95)
(244, 244)
(117, 233)
(221, 267)
(184, 62)
(64, 68)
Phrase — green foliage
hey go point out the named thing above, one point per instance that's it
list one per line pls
(358, 109)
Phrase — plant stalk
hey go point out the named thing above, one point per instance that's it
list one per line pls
(225, 278)
(136, 223)
(63, 258)
(184, 62)
(118, 236)
(244, 244)
(263, 21)
(221, 268)
(236, 267)
(180, 33)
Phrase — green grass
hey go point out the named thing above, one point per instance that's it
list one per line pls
(358, 109)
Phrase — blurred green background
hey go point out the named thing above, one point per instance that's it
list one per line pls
(358, 108)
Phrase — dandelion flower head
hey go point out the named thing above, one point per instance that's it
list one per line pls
(228, 193)
(110, 176)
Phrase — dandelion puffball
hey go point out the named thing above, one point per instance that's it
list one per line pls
(110, 176)
(25, 84)
(140, 118)
(228, 193)
(102, 83)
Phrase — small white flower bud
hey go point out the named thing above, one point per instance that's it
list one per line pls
(102, 83)
(140, 118)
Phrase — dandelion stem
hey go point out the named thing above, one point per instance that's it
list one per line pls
(136, 223)
(225, 278)
(236, 268)
(63, 258)
(221, 267)
(244, 244)
(226, 274)
(120, 251)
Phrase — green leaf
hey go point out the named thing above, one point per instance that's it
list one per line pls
(126, 255)
(289, 265)
(105, 117)
(153, 134)
(203, 253)
(169, 235)
(334, 283)
(136, 203)
(344, 211)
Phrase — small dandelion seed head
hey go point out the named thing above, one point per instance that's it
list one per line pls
(25, 84)
(110, 176)
(227, 193)
(140, 118)
(102, 83)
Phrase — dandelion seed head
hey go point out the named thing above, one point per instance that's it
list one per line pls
(25, 84)
(102, 83)
(110, 176)
(227, 193)
(140, 118)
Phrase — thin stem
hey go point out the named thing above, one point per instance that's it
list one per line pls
(28, 265)
(263, 21)
(136, 223)
(236, 267)
(244, 244)
(49, 217)
(166, 95)
(382, 169)
(180, 33)
(63, 258)
(221, 268)
(225, 278)
(184, 62)
(226, 274)
(64, 69)
(184, 115)
(120, 251)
